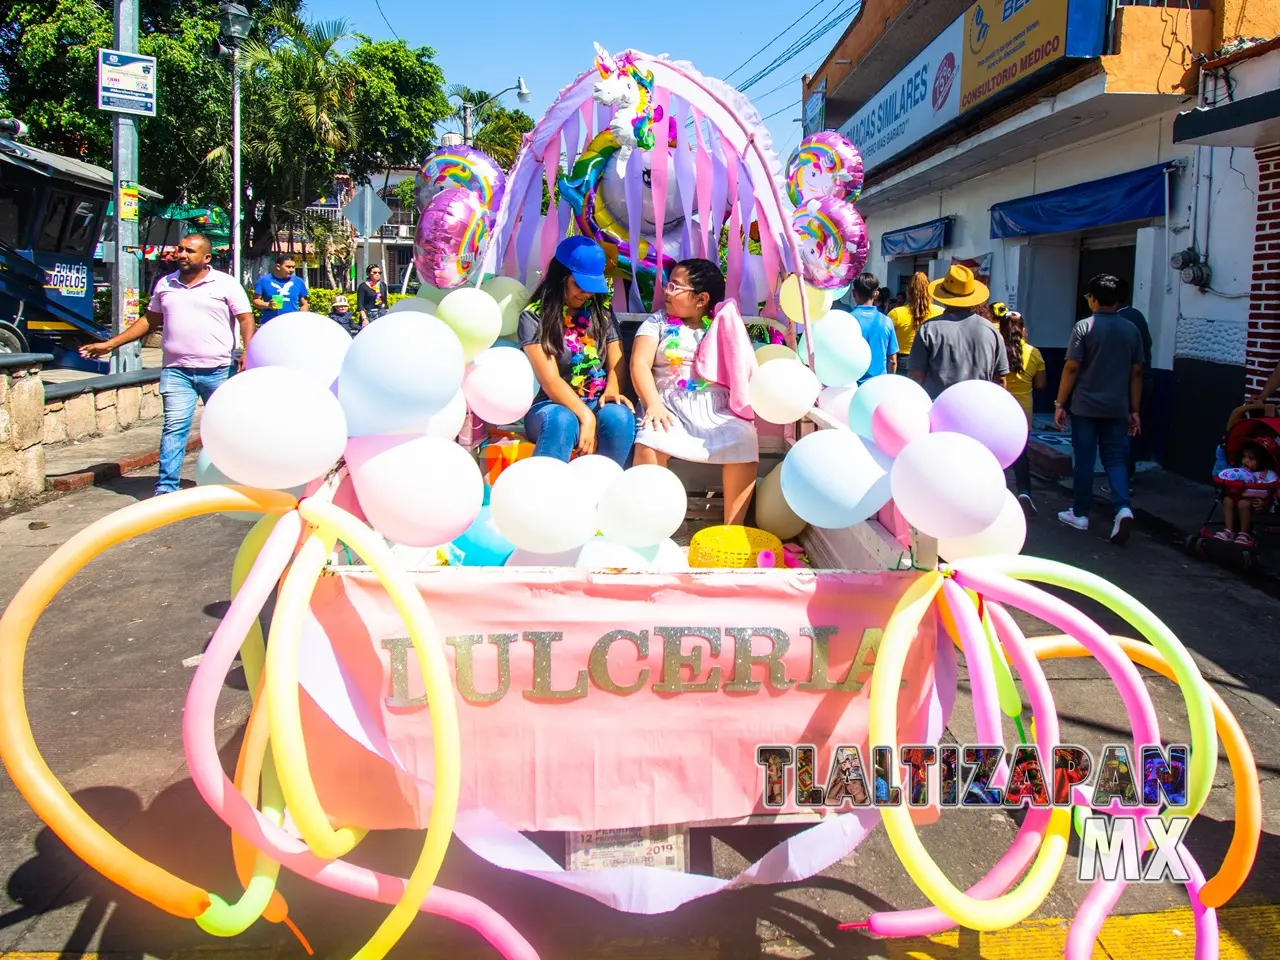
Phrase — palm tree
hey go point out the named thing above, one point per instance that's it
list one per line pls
(308, 91)
(496, 130)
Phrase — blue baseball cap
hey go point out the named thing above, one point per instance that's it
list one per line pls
(585, 260)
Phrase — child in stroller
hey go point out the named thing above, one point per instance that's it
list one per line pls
(1245, 476)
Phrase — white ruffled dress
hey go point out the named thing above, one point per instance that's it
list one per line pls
(706, 429)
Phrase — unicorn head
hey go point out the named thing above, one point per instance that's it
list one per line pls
(627, 88)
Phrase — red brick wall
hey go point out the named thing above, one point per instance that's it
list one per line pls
(1263, 353)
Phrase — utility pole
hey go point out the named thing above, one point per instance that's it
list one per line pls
(236, 186)
(126, 270)
(466, 123)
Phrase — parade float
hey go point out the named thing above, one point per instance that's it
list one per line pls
(442, 603)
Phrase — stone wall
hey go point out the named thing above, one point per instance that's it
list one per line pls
(103, 406)
(21, 426)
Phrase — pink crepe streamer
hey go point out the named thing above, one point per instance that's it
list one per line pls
(1133, 693)
(633, 184)
(571, 157)
(931, 920)
(530, 225)
(772, 263)
(719, 190)
(733, 276)
(200, 745)
(587, 129)
(658, 187)
(703, 165)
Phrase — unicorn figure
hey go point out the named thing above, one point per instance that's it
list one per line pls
(629, 90)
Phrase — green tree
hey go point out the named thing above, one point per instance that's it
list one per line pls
(403, 193)
(399, 101)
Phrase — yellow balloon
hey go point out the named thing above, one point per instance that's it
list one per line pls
(818, 301)
(512, 297)
(772, 512)
(775, 351)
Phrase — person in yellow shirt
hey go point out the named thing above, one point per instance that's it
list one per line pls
(907, 318)
(1026, 373)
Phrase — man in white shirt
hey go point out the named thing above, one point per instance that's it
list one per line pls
(195, 308)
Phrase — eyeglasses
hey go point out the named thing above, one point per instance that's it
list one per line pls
(673, 287)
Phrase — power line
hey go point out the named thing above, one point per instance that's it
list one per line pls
(775, 39)
(791, 80)
(807, 40)
(790, 106)
(378, 4)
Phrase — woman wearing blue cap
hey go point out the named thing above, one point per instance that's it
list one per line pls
(571, 337)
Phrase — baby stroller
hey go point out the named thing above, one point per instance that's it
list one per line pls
(1262, 432)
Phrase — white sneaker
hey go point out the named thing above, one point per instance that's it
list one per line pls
(1121, 529)
(1071, 520)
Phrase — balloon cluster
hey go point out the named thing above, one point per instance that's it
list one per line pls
(458, 190)
(390, 403)
(824, 179)
(941, 461)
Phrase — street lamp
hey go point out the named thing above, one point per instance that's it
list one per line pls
(468, 109)
(235, 26)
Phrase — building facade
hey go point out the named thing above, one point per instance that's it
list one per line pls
(1034, 140)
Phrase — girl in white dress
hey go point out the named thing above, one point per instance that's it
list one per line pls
(684, 416)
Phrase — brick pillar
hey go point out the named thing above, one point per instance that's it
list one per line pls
(1263, 352)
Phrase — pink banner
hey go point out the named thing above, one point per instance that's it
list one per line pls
(591, 701)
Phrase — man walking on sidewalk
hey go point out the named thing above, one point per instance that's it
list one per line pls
(1102, 385)
(195, 309)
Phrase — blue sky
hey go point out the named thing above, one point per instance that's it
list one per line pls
(549, 42)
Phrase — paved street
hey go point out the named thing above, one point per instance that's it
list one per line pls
(106, 681)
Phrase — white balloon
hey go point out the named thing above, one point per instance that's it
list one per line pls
(601, 554)
(783, 391)
(532, 506)
(667, 557)
(948, 485)
(273, 427)
(305, 341)
(414, 304)
(1006, 536)
(830, 479)
(593, 474)
(500, 385)
(887, 389)
(841, 354)
(643, 507)
(834, 402)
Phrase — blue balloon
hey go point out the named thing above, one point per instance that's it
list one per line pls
(831, 479)
(481, 545)
(400, 370)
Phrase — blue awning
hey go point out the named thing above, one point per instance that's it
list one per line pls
(1138, 195)
(918, 239)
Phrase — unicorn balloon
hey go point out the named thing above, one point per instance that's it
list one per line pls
(624, 86)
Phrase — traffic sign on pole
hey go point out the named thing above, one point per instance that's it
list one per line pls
(126, 82)
(367, 212)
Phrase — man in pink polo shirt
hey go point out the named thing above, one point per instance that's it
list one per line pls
(195, 309)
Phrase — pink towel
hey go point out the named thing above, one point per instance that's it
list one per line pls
(726, 357)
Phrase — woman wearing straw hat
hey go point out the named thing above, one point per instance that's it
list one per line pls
(958, 345)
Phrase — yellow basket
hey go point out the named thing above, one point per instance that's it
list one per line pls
(732, 546)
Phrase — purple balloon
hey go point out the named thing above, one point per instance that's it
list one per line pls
(460, 167)
(305, 341)
(833, 242)
(824, 165)
(451, 238)
(986, 412)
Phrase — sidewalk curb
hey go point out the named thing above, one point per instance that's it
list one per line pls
(109, 470)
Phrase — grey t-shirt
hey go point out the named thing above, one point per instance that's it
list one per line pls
(529, 331)
(955, 347)
(1107, 346)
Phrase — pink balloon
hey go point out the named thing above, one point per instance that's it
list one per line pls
(824, 165)
(459, 166)
(451, 238)
(893, 426)
(418, 491)
(344, 497)
(833, 242)
(500, 385)
(985, 411)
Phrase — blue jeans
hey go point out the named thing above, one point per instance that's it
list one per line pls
(554, 430)
(1106, 438)
(179, 388)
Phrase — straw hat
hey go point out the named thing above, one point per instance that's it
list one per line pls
(959, 288)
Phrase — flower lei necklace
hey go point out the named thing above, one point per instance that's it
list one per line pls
(587, 373)
(676, 361)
